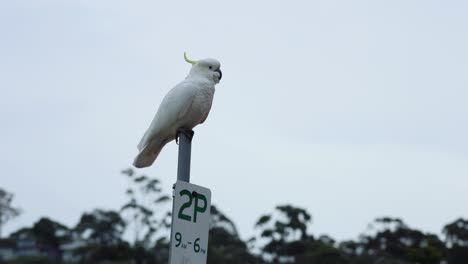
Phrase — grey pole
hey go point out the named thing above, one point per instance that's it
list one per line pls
(185, 149)
(184, 137)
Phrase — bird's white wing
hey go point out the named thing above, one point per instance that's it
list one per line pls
(172, 109)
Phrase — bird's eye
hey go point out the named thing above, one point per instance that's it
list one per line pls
(210, 67)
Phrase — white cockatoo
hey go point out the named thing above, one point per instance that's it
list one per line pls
(185, 106)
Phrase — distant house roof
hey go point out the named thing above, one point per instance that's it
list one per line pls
(22, 233)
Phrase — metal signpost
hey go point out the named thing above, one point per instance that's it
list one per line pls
(190, 212)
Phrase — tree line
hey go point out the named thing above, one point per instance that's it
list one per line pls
(138, 232)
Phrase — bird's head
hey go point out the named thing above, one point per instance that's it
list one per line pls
(209, 68)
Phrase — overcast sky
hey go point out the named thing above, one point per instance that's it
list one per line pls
(350, 109)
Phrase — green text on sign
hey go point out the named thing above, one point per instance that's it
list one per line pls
(196, 245)
(196, 209)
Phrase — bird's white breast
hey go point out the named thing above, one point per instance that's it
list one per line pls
(201, 104)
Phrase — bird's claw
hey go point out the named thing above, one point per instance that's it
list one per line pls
(187, 132)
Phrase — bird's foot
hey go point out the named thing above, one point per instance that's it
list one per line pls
(187, 132)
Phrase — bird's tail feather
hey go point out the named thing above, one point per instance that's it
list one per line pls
(147, 156)
(143, 140)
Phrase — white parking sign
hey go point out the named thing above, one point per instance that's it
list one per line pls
(190, 224)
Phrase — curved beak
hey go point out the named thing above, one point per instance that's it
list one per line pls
(220, 73)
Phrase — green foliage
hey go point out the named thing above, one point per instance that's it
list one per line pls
(144, 198)
(456, 236)
(49, 232)
(456, 233)
(318, 252)
(457, 255)
(282, 236)
(286, 236)
(31, 260)
(297, 220)
(96, 253)
(224, 244)
(103, 227)
(263, 220)
(223, 247)
(397, 241)
(116, 262)
(46, 235)
(7, 211)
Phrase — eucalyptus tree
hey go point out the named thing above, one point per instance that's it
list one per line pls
(7, 210)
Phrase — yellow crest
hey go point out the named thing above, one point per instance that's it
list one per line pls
(189, 61)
